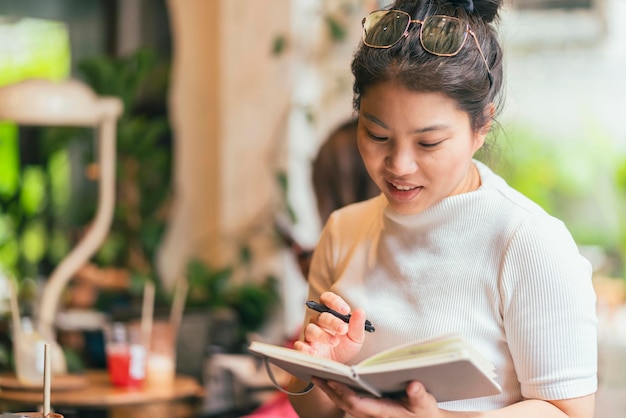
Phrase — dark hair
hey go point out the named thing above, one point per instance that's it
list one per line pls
(339, 174)
(463, 77)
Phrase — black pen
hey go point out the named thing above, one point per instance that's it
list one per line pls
(345, 318)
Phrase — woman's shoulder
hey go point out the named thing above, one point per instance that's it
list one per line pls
(513, 210)
(356, 216)
(505, 195)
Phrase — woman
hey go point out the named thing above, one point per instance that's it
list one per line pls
(448, 246)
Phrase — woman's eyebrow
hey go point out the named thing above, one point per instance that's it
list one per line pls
(372, 118)
(430, 128)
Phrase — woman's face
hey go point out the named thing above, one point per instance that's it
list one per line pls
(416, 146)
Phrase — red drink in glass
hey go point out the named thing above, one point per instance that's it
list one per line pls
(126, 362)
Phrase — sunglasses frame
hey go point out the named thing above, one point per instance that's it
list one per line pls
(405, 34)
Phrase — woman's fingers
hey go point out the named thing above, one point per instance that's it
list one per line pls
(313, 332)
(335, 302)
(356, 330)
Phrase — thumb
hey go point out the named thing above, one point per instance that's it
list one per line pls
(356, 327)
(416, 395)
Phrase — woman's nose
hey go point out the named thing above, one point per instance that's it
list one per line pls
(401, 161)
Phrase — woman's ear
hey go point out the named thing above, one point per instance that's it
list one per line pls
(490, 111)
(480, 135)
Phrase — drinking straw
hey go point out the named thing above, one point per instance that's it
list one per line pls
(178, 304)
(15, 310)
(46, 380)
(147, 313)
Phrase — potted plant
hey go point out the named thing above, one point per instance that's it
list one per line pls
(219, 313)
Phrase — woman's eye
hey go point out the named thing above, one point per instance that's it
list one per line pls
(430, 144)
(376, 138)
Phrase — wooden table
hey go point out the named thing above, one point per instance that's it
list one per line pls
(177, 400)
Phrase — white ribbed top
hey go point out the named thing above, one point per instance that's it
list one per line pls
(490, 264)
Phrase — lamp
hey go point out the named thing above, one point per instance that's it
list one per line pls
(69, 103)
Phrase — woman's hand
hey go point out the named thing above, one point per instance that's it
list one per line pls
(417, 404)
(328, 336)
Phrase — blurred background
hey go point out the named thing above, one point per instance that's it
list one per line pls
(227, 103)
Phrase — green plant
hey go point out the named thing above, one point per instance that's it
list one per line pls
(213, 288)
(143, 157)
(620, 185)
(539, 168)
(571, 178)
(34, 199)
(33, 177)
(46, 204)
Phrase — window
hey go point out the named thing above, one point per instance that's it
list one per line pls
(554, 4)
(548, 24)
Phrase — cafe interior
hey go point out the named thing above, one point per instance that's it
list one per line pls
(158, 187)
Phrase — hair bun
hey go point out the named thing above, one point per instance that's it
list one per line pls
(487, 9)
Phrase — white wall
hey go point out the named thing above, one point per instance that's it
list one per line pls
(565, 71)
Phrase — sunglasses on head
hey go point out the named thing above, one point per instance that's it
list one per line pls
(439, 35)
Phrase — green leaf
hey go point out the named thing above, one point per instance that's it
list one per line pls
(279, 44)
(7, 228)
(138, 282)
(150, 235)
(9, 256)
(112, 249)
(283, 182)
(122, 77)
(28, 289)
(73, 360)
(337, 30)
(9, 160)
(620, 177)
(245, 255)
(207, 286)
(33, 195)
(60, 182)
(59, 245)
(254, 302)
(34, 241)
(58, 138)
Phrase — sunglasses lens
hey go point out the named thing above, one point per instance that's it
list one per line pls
(384, 28)
(442, 35)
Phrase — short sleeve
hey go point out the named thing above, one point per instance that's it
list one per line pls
(548, 310)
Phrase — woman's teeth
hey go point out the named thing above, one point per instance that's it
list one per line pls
(404, 188)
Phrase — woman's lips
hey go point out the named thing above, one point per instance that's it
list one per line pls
(403, 192)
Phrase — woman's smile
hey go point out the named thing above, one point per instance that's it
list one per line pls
(403, 193)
